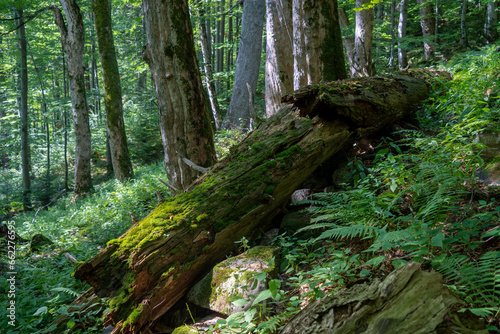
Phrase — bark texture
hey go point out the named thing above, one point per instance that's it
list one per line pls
(490, 30)
(23, 112)
(409, 300)
(247, 66)
(120, 157)
(279, 53)
(207, 65)
(152, 265)
(348, 40)
(72, 39)
(362, 65)
(184, 111)
(428, 24)
(317, 42)
(403, 18)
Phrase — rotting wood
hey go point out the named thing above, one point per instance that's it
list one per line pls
(146, 271)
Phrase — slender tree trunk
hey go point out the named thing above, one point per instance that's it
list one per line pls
(184, 110)
(25, 148)
(247, 66)
(393, 35)
(379, 23)
(403, 17)
(464, 42)
(317, 50)
(66, 172)
(72, 39)
(209, 77)
(428, 23)
(279, 55)
(348, 40)
(490, 30)
(120, 157)
(221, 27)
(363, 39)
(229, 56)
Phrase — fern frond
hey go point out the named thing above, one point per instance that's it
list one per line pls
(66, 290)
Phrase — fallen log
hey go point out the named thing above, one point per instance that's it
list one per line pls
(148, 269)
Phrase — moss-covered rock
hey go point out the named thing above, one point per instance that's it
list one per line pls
(38, 242)
(234, 278)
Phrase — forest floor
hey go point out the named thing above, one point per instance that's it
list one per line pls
(415, 197)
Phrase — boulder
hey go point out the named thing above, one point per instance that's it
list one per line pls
(38, 242)
(409, 300)
(234, 278)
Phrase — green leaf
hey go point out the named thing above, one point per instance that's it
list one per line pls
(250, 314)
(260, 276)
(376, 260)
(437, 240)
(263, 295)
(41, 310)
(274, 286)
(70, 324)
(241, 302)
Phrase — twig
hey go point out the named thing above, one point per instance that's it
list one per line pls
(29, 18)
(167, 184)
(70, 258)
(195, 166)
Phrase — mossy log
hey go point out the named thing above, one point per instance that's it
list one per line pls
(147, 270)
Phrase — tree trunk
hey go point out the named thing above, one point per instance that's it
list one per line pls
(403, 17)
(209, 77)
(348, 40)
(72, 39)
(154, 263)
(464, 42)
(184, 111)
(120, 157)
(490, 29)
(317, 38)
(428, 23)
(247, 65)
(393, 35)
(279, 55)
(23, 112)
(362, 65)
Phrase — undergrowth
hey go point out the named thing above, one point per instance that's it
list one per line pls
(418, 199)
(44, 283)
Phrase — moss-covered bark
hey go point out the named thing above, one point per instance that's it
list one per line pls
(122, 166)
(152, 266)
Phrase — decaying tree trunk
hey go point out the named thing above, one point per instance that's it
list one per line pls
(148, 269)
(409, 300)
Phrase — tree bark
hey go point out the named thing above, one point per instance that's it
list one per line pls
(120, 156)
(428, 23)
(362, 65)
(209, 77)
(72, 39)
(247, 65)
(23, 112)
(393, 35)
(317, 42)
(464, 41)
(153, 264)
(184, 111)
(348, 40)
(490, 30)
(279, 53)
(403, 18)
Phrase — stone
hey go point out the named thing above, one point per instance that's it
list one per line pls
(409, 300)
(38, 242)
(233, 279)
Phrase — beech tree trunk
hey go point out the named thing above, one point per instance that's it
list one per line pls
(184, 111)
(148, 269)
(464, 41)
(490, 30)
(403, 18)
(120, 157)
(72, 39)
(362, 65)
(23, 112)
(247, 66)
(428, 23)
(393, 34)
(348, 40)
(317, 42)
(207, 66)
(279, 53)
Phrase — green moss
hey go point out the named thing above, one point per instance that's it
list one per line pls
(134, 316)
(269, 190)
(184, 330)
